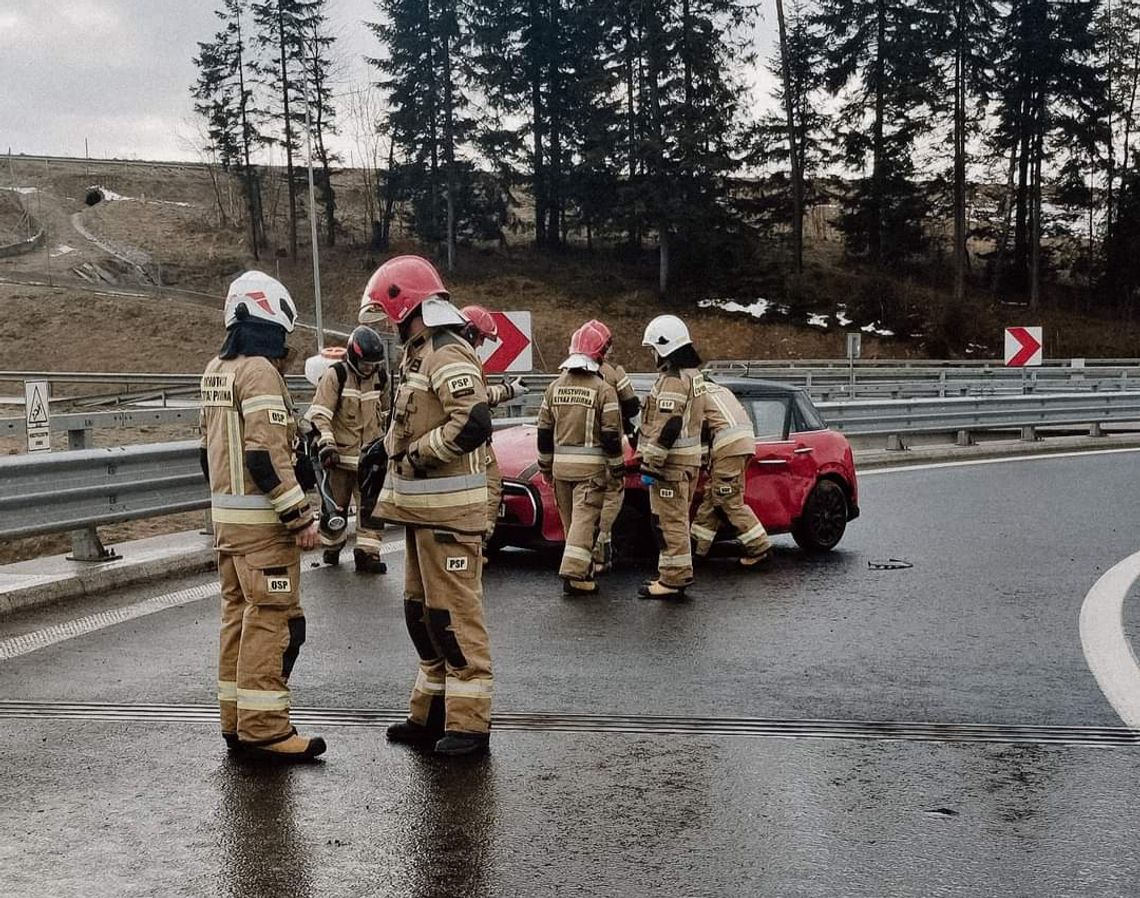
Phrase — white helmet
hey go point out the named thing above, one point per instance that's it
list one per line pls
(666, 334)
(264, 299)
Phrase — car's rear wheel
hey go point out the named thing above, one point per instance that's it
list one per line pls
(824, 518)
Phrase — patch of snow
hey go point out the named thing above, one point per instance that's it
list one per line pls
(22, 190)
(171, 203)
(875, 329)
(62, 250)
(756, 309)
(841, 316)
(815, 320)
(109, 195)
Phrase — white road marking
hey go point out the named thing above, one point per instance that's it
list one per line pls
(40, 639)
(1107, 651)
(1040, 456)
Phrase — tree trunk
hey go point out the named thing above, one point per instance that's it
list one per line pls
(389, 195)
(538, 119)
(793, 147)
(1035, 211)
(433, 124)
(960, 158)
(289, 174)
(875, 237)
(449, 132)
(251, 202)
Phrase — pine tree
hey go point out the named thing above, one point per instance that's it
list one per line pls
(878, 60)
(224, 98)
(319, 67)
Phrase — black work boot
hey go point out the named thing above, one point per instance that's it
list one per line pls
(368, 564)
(409, 732)
(655, 589)
(331, 556)
(233, 743)
(457, 743)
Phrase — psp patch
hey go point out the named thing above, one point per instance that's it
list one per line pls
(724, 490)
(460, 386)
(278, 584)
(277, 416)
(455, 565)
(666, 493)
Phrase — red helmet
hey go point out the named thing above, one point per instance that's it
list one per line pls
(400, 286)
(592, 340)
(482, 322)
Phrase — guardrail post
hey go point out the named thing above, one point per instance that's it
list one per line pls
(1029, 434)
(965, 438)
(895, 443)
(1095, 430)
(85, 543)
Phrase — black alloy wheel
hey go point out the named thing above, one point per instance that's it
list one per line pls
(824, 518)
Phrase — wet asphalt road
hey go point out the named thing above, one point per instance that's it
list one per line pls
(983, 629)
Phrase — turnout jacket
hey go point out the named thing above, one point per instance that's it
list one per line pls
(671, 419)
(579, 427)
(249, 429)
(440, 418)
(616, 377)
(727, 428)
(349, 411)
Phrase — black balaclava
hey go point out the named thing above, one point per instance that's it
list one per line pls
(253, 337)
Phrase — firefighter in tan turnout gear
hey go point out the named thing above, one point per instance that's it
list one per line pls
(437, 487)
(630, 405)
(349, 410)
(481, 327)
(732, 441)
(579, 451)
(262, 520)
(669, 442)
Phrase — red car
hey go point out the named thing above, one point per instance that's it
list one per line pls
(800, 481)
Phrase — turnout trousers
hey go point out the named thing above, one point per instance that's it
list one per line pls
(580, 508)
(611, 508)
(263, 628)
(344, 486)
(443, 609)
(724, 500)
(669, 510)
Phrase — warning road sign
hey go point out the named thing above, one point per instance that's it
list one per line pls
(514, 351)
(36, 415)
(1022, 346)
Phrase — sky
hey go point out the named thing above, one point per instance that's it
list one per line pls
(117, 73)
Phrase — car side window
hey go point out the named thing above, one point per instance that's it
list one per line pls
(770, 417)
(805, 417)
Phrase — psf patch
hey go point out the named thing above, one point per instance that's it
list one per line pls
(218, 390)
(277, 416)
(457, 564)
(278, 584)
(461, 385)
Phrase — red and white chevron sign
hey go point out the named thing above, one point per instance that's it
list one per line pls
(514, 352)
(1022, 346)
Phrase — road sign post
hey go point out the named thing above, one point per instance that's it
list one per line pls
(37, 418)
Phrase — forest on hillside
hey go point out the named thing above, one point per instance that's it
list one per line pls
(985, 148)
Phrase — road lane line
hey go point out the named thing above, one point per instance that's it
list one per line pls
(48, 636)
(1108, 652)
(1040, 456)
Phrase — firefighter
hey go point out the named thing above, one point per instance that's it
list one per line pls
(731, 441)
(480, 328)
(579, 451)
(630, 405)
(437, 488)
(262, 520)
(349, 411)
(670, 445)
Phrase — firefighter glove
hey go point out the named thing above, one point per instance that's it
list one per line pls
(328, 456)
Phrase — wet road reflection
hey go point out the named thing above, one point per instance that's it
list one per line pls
(447, 848)
(261, 852)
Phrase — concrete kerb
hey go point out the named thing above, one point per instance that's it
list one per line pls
(43, 581)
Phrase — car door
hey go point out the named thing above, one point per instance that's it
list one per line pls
(782, 471)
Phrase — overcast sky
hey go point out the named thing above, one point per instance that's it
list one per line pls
(118, 72)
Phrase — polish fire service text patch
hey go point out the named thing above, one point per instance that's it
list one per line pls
(276, 416)
(666, 493)
(456, 564)
(278, 584)
(463, 385)
(218, 390)
(666, 405)
(575, 396)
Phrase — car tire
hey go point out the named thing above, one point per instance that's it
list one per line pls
(824, 518)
